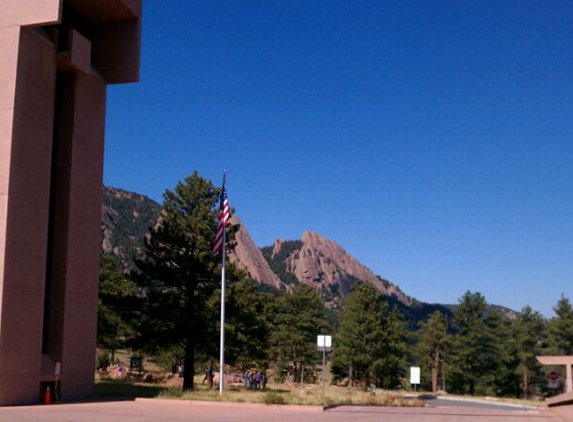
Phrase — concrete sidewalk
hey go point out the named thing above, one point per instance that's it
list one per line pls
(179, 411)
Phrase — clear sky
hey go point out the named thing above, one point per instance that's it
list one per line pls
(433, 140)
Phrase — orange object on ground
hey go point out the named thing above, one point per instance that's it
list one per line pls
(47, 398)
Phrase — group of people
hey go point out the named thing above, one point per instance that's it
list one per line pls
(255, 380)
(252, 380)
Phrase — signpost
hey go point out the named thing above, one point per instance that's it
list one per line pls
(415, 376)
(57, 372)
(135, 364)
(324, 344)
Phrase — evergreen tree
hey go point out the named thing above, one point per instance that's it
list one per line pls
(499, 358)
(178, 273)
(300, 318)
(389, 368)
(529, 328)
(369, 344)
(560, 329)
(116, 300)
(470, 343)
(433, 345)
(247, 324)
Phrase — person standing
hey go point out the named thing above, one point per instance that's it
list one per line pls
(251, 380)
(210, 374)
(258, 381)
(246, 379)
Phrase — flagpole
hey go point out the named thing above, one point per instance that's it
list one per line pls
(222, 345)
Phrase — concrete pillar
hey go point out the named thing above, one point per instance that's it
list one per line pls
(56, 58)
(568, 380)
(26, 144)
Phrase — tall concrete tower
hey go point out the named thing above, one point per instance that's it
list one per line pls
(56, 58)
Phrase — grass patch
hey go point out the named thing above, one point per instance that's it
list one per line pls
(272, 397)
(310, 395)
(171, 393)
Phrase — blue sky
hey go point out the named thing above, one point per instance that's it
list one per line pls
(431, 139)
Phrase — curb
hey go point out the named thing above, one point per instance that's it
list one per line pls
(205, 403)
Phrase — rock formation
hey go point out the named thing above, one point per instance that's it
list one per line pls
(325, 265)
(247, 256)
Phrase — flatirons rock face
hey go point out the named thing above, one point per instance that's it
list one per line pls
(324, 262)
(247, 256)
(314, 260)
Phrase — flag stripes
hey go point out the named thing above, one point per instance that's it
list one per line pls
(223, 220)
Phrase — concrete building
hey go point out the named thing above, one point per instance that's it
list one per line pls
(56, 58)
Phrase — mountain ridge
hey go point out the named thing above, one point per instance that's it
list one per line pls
(126, 218)
(324, 265)
(313, 260)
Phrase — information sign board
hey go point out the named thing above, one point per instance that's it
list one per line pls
(415, 375)
(324, 343)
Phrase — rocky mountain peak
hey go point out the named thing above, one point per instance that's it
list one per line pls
(247, 256)
(277, 247)
(326, 265)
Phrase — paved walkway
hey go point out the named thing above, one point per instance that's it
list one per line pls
(179, 411)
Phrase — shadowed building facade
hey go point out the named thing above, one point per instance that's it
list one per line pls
(56, 58)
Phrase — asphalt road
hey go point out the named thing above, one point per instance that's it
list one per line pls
(179, 411)
(481, 404)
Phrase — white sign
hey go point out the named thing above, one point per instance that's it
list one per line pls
(324, 341)
(58, 368)
(415, 375)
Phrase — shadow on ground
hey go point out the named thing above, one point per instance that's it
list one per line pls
(120, 389)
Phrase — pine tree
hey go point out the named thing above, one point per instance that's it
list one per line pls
(529, 329)
(389, 368)
(178, 273)
(248, 324)
(470, 342)
(369, 344)
(116, 304)
(560, 329)
(499, 357)
(300, 318)
(433, 345)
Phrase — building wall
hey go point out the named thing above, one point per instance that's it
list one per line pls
(52, 119)
(25, 197)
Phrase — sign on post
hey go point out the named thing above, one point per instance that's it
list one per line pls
(324, 343)
(415, 376)
(135, 364)
(553, 380)
(57, 372)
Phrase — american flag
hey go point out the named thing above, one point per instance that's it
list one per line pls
(223, 220)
